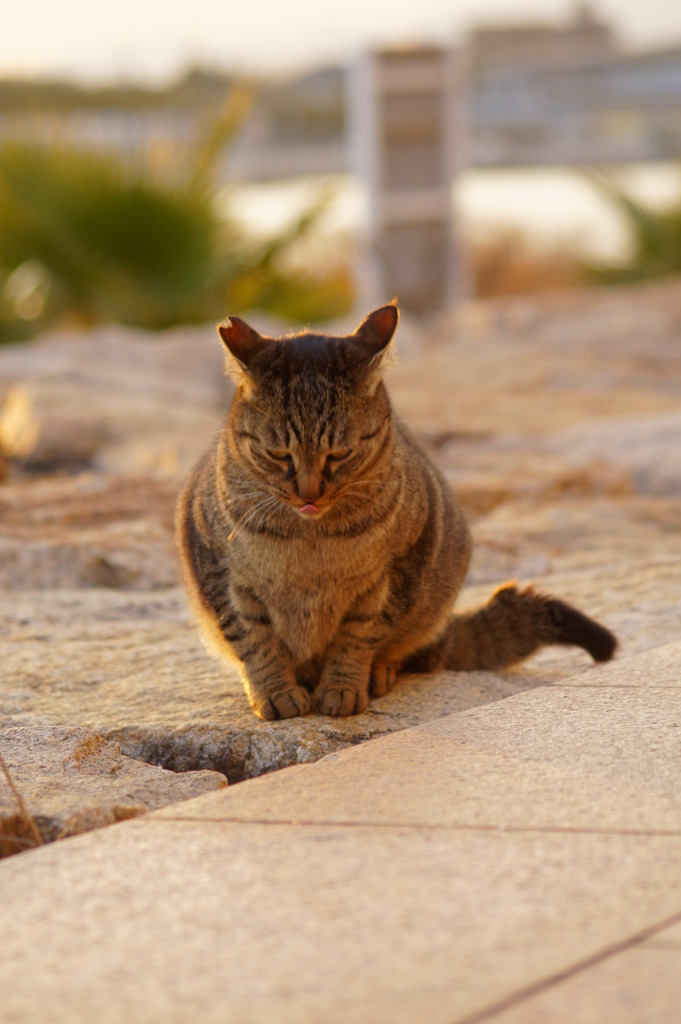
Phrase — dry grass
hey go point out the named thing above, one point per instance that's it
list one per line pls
(509, 264)
(25, 832)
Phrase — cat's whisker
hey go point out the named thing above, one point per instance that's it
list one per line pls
(258, 509)
(377, 474)
(359, 488)
(247, 496)
(358, 485)
(253, 497)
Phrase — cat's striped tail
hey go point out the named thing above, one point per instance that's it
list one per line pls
(509, 628)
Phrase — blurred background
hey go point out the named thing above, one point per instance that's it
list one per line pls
(161, 167)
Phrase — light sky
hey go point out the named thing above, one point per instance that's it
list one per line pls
(150, 40)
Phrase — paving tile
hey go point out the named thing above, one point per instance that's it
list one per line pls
(641, 985)
(159, 920)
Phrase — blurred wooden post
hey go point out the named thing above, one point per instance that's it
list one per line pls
(404, 123)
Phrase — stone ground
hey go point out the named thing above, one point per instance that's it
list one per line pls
(509, 853)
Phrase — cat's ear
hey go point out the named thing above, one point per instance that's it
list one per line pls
(374, 335)
(376, 331)
(241, 340)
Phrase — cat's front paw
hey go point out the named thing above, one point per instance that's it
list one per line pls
(339, 699)
(291, 702)
(383, 678)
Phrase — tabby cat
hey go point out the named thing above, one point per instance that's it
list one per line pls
(323, 551)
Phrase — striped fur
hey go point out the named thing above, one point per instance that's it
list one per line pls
(323, 609)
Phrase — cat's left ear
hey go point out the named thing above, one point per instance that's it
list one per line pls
(241, 340)
(374, 334)
(376, 331)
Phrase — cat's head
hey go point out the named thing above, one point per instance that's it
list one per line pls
(311, 419)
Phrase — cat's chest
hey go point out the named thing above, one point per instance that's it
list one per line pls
(307, 591)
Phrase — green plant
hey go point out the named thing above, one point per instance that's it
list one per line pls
(654, 235)
(93, 238)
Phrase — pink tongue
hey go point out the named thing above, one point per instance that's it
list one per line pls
(307, 509)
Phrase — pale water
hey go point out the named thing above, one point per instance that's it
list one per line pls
(550, 206)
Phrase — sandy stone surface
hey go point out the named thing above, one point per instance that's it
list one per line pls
(67, 781)
(130, 667)
(118, 400)
(557, 421)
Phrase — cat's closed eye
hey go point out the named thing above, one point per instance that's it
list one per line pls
(282, 458)
(334, 460)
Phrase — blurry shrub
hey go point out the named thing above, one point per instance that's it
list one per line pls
(509, 264)
(653, 230)
(90, 238)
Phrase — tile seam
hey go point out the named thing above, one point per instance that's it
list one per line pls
(543, 985)
(416, 826)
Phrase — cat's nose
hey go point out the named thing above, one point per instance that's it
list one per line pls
(310, 486)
